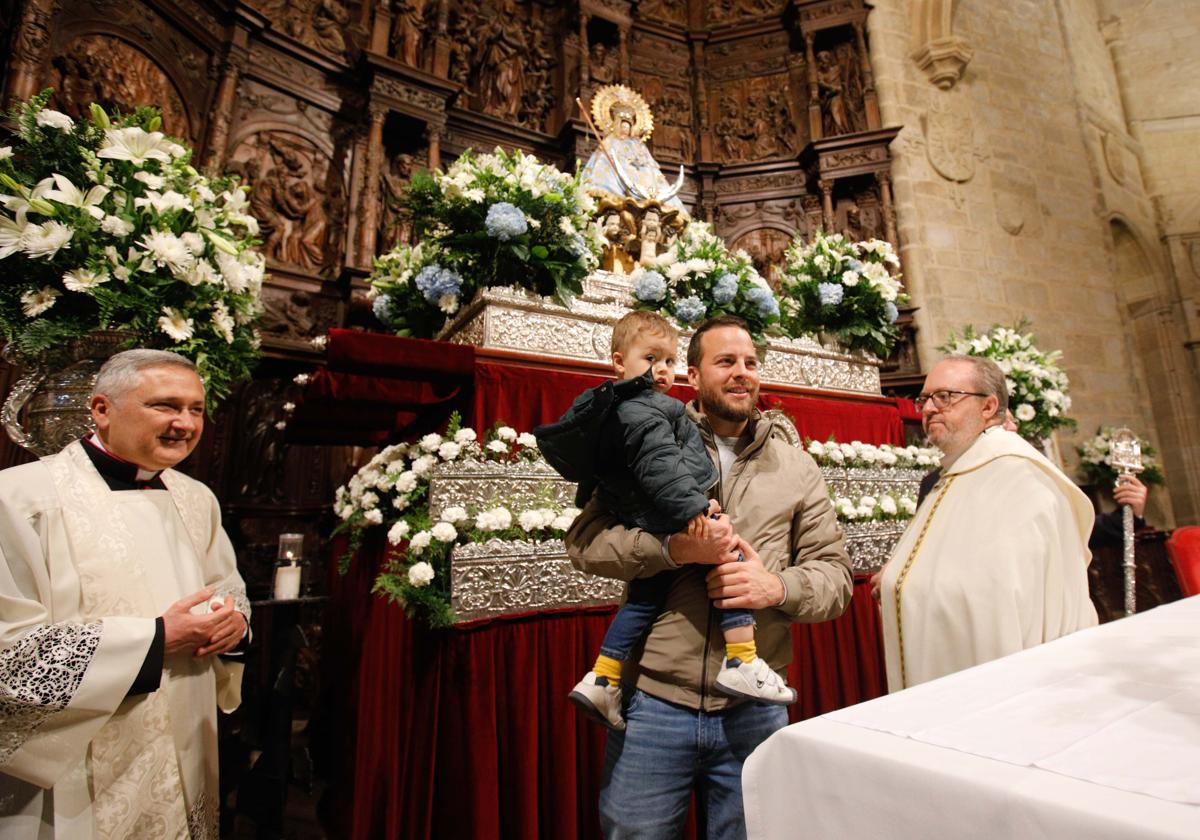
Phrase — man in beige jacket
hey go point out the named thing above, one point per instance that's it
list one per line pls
(681, 733)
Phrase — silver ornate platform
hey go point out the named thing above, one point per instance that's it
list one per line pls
(499, 577)
(515, 319)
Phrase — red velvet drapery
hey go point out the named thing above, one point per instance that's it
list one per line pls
(467, 732)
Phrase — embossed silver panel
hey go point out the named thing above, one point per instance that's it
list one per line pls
(514, 319)
(479, 485)
(855, 482)
(504, 578)
(870, 544)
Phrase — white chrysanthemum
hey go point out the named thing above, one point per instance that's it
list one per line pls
(374, 516)
(116, 226)
(423, 465)
(398, 532)
(175, 324)
(445, 532)
(530, 520)
(497, 446)
(82, 280)
(449, 450)
(54, 119)
(562, 522)
(888, 505)
(135, 145)
(816, 448)
(420, 574)
(168, 251)
(507, 433)
(909, 505)
(46, 239)
(455, 514)
(35, 303)
(527, 440)
(834, 454)
(223, 321)
(464, 436)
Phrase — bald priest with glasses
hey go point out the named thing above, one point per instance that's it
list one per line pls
(995, 560)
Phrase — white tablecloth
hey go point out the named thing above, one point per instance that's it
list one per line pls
(1095, 735)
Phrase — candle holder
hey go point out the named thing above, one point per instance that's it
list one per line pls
(1126, 458)
(289, 567)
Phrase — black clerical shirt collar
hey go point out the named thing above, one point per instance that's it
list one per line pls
(120, 474)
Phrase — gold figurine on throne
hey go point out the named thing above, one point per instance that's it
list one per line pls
(639, 211)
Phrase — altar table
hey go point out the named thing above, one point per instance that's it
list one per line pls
(1095, 735)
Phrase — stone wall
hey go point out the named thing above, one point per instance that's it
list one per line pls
(1019, 193)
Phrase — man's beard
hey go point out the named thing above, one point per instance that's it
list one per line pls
(714, 403)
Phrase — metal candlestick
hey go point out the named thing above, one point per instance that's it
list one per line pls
(1126, 457)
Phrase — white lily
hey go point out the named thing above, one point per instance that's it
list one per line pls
(67, 193)
(135, 145)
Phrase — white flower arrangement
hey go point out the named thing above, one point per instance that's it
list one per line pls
(848, 288)
(107, 226)
(883, 508)
(1037, 385)
(495, 219)
(859, 454)
(392, 491)
(1095, 460)
(698, 277)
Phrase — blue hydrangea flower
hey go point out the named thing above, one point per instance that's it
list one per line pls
(382, 307)
(690, 309)
(764, 301)
(725, 289)
(831, 294)
(855, 265)
(436, 283)
(892, 312)
(650, 286)
(504, 221)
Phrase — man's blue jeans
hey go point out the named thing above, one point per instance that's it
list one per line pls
(651, 768)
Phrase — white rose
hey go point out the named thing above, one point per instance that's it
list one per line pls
(420, 541)
(1025, 412)
(374, 516)
(445, 532)
(527, 440)
(398, 532)
(464, 436)
(431, 442)
(507, 433)
(420, 574)
(449, 450)
(454, 515)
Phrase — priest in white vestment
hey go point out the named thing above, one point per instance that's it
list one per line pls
(995, 560)
(119, 592)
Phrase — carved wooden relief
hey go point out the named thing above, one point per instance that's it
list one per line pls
(411, 20)
(293, 194)
(766, 247)
(753, 119)
(664, 11)
(729, 11)
(320, 24)
(840, 87)
(99, 68)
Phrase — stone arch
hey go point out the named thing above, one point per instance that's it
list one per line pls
(941, 54)
(1153, 328)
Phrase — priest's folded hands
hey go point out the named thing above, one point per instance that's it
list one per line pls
(216, 632)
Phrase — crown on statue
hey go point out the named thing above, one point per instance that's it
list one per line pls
(612, 102)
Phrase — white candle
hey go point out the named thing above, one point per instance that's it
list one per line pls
(287, 583)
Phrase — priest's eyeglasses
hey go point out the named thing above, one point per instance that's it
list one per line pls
(943, 399)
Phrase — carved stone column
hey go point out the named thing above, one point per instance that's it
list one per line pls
(381, 28)
(29, 49)
(885, 204)
(433, 136)
(368, 216)
(814, 90)
(826, 204)
(870, 100)
(222, 111)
